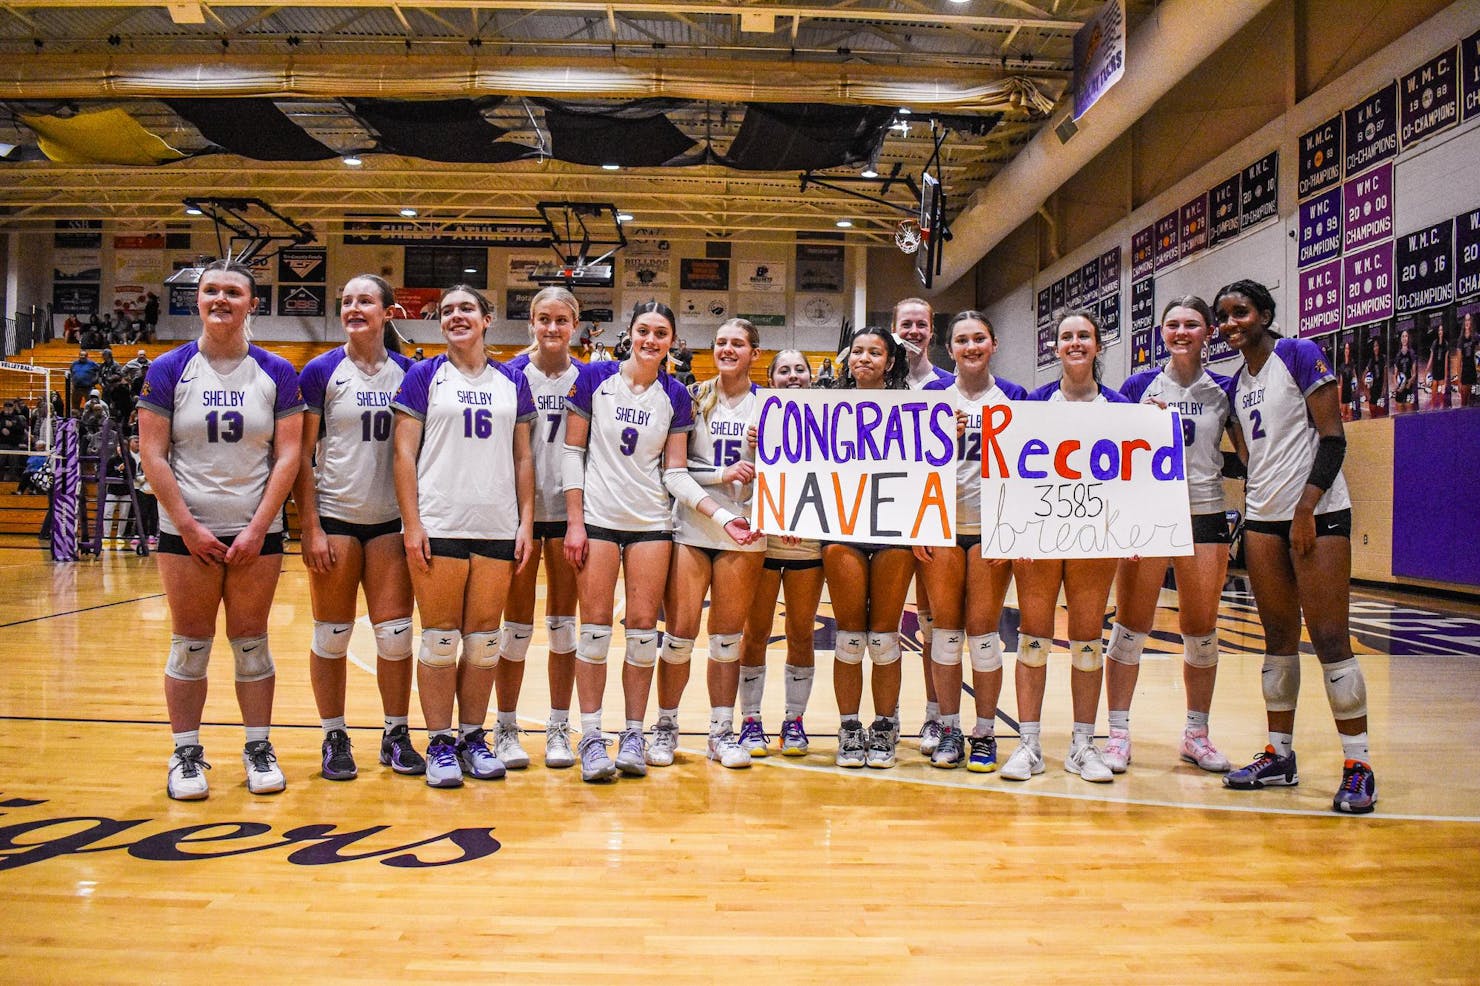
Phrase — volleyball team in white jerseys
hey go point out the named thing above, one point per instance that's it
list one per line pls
(447, 483)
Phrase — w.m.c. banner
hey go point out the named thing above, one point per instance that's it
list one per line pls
(1075, 480)
(873, 467)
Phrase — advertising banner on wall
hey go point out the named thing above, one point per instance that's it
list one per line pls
(1367, 204)
(1425, 262)
(1320, 299)
(762, 310)
(818, 311)
(1099, 55)
(1320, 158)
(1319, 229)
(301, 301)
(703, 274)
(761, 276)
(1370, 130)
(76, 299)
(819, 268)
(702, 309)
(646, 273)
(299, 265)
(84, 264)
(1428, 99)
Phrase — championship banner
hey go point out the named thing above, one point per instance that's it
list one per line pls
(1081, 480)
(870, 467)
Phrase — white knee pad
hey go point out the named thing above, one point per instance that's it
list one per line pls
(642, 648)
(1346, 688)
(189, 658)
(986, 651)
(331, 640)
(562, 630)
(1125, 645)
(883, 648)
(1087, 655)
(848, 648)
(439, 648)
(677, 650)
(594, 642)
(480, 648)
(1280, 679)
(253, 658)
(946, 646)
(724, 647)
(516, 641)
(1200, 650)
(393, 639)
(1033, 652)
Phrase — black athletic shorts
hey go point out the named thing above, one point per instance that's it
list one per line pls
(549, 530)
(174, 544)
(867, 550)
(465, 548)
(363, 533)
(1211, 529)
(1337, 523)
(624, 538)
(785, 565)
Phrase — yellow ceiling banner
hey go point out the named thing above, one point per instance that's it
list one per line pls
(109, 137)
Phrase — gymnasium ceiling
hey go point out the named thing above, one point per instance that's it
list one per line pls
(715, 110)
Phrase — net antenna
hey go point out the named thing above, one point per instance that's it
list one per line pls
(584, 236)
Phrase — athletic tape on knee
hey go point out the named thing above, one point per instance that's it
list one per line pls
(1033, 651)
(1346, 688)
(253, 658)
(883, 648)
(1200, 650)
(331, 640)
(677, 650)
(1125, 645)
(848, 647)
(946, 646)
(439, 648)
(986, 651)
(563, 634)
(1087, 655)
(724, 647)
(393, 639)
(594, 643)
(642, 648)
(516, 641)
(480, 648)
(189, 658)
(1280, 679)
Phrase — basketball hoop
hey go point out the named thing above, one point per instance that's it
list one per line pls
(908, 236)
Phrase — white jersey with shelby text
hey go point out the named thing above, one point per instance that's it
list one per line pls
(624, 453)
(548, 437)
(222, 427)
(969, 446)
(716, 443)
(353, 462)
(1279, 433)
(465, 479)
(1205, 408)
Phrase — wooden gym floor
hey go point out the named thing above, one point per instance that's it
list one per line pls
(792, 870)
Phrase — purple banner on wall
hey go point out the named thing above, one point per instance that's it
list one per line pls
(1045, 345)
(1223, 203)
(1073, 289)
(1259, 198)
(1367, 204)
(1056, 297)
(1367, 277)
(1109, 309)
(1434, 536)
(1320, 229)
(1143, 252)
(1320, 299)
(1320, 158)
(1142, 322)
(1428, 99)
(1425, 260)
(1110, 271)
(1045, 307)
(1192, 223)
(1089, 280)
(1168, 248)
(1140, 350)
(1371, 130)
(1469, 77)
(1467, 255)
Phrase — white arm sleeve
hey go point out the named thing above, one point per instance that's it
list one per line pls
(682, 487)
(572, 468)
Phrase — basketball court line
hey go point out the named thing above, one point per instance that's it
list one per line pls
(85, 609)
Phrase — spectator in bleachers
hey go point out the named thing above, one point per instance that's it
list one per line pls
(108, 370)
(90, 422)
(95, 333)
(119, 330)
(13, 436)
(36, 476)
(84, 374)
(72, 329)
(825, 377)
(140, 361)
(151, 319)
(120, 393)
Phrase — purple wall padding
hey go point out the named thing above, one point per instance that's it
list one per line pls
(1436, 496)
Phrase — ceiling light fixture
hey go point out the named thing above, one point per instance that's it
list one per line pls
(193, 211)
(409, 213)
(611, 167)
(352, 162)
(844, 224)
(624, 217)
